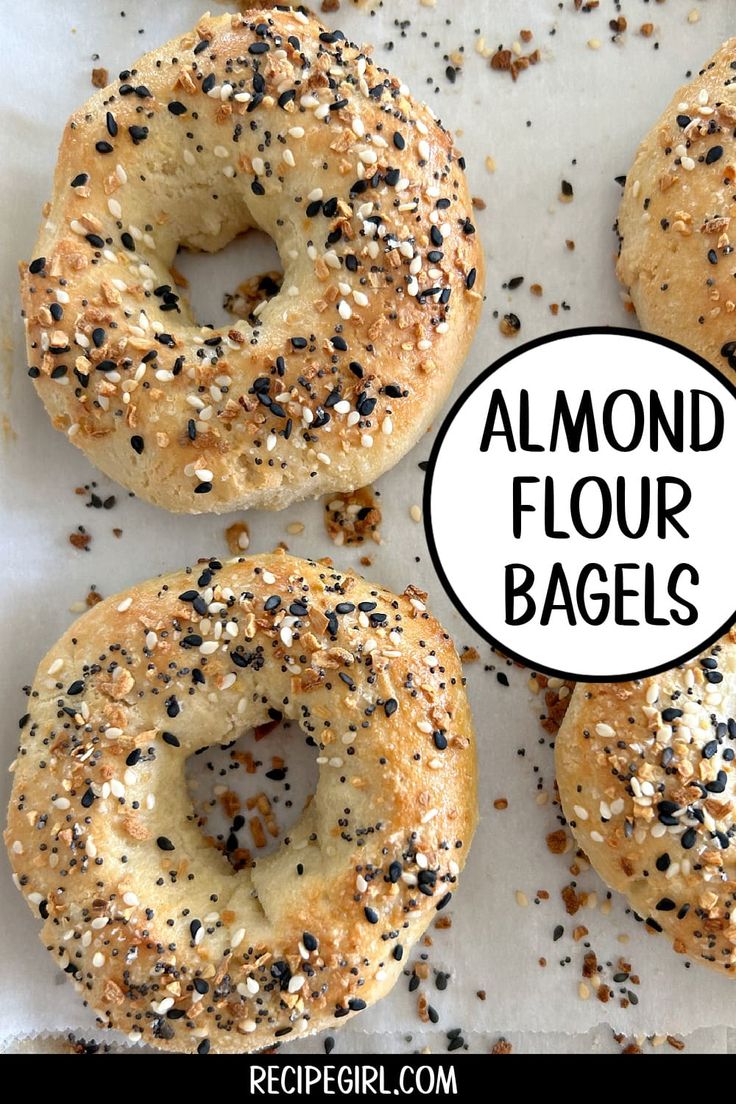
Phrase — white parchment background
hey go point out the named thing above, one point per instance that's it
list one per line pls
(582, 105)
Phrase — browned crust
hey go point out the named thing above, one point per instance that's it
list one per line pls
(675, 216)
(397, 786)
(411, 344)
(649, 795)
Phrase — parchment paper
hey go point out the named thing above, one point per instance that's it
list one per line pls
(577, 115)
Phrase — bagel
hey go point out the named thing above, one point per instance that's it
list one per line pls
(646, 776)
(164, 939)
(267, 120)
(674, 221)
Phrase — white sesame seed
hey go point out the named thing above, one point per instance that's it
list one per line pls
(605, 731)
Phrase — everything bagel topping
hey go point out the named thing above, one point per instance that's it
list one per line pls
(655, 811)
(164, 938)
(263, 119)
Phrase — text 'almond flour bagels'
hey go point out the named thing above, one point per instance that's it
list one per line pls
(646, 772)
(163, 938)
(677, 252)
(267, 120)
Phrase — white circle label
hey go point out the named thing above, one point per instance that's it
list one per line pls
(579, 504)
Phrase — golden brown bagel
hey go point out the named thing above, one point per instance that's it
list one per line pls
(162, 937)
(268, 120)
(676, 258)
(646, 777)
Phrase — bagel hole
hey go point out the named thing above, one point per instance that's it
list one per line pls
(248, 794)
(229, 284)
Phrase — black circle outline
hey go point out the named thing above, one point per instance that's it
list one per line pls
(547, 339)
